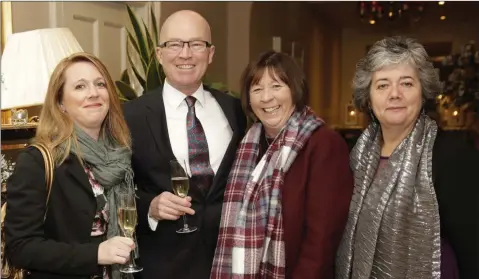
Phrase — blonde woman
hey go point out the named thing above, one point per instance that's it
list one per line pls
(82, 125)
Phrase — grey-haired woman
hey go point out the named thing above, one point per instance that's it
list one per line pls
(415, 204)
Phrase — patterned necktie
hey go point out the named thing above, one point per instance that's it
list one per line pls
(198, 154)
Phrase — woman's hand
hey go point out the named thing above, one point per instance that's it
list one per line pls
(115, 250)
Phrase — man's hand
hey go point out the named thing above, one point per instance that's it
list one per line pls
(168, 206)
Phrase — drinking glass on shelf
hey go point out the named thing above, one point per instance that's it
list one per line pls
(181, 185)
(127, 220)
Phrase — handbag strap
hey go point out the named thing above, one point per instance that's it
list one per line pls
(49, 167)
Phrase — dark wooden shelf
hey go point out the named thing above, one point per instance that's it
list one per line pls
(19, 127)
(14, 133)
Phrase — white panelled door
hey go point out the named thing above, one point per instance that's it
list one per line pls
(99, 28)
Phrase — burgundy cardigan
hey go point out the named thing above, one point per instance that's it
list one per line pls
(316, 195)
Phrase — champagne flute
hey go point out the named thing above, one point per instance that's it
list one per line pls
(127, 219)
(181, 185)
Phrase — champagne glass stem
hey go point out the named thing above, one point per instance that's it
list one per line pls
(185, 224)
(131, 261)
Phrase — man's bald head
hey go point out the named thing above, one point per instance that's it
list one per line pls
(183, 23)
(186, 57)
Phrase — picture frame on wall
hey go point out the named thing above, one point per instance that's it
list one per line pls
(277, 44)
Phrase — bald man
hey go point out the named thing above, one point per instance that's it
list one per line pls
(192, 123)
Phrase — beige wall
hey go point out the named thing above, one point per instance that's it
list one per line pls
(239, 19)
(29, 16)
(355, 43)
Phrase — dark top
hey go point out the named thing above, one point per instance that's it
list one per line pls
(62, 247)
(455, 169)
(316, 194)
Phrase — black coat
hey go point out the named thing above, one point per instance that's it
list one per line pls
(163, 252)
(62, 246)
(455, 169)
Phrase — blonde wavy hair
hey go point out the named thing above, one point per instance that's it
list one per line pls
(55, 128)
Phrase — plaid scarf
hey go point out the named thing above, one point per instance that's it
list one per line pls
(251, 242)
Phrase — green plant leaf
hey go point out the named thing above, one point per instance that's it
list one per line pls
(218, 86)
(122, 99)
(154, 24)
(161, 72)
(234, 94)
(133, 41)
(145, 48)
(135, 46)
(152, 76)
(125, 90)
(141, 80)
(151, 46)
(125, 77)
(140, 38)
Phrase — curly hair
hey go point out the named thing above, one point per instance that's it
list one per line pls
(391, 51)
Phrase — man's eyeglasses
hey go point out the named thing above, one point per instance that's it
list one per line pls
(176, 46)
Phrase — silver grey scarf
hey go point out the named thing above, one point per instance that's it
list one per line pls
(111, 166)
(393, 230)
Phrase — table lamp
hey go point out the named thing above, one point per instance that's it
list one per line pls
(28, 60)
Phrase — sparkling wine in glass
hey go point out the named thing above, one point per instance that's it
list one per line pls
(181, 185)
(127, 219)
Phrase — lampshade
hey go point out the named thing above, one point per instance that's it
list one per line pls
(28, 60)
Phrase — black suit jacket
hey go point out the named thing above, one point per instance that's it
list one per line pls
(62, 246)
(455, 169)
(163, 252)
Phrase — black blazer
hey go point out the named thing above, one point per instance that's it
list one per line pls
(455, 169)
(62, 246)
(163, 252)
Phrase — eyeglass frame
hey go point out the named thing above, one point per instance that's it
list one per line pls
(163, 45)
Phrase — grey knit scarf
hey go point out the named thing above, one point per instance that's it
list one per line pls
(111, 166)
(393, 229)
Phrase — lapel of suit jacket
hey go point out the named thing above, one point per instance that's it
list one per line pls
(156, 119)
(76, 170)
(228, 109)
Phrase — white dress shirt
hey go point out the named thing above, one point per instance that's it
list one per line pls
(215, 124)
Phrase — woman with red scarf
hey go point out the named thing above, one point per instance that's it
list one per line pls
(287, 198)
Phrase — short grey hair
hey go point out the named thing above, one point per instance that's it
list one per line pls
(390, 51)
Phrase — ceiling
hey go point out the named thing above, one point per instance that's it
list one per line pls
(346, 14)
